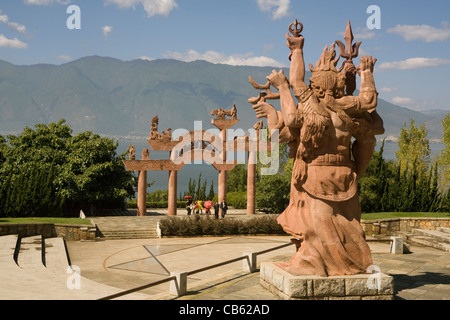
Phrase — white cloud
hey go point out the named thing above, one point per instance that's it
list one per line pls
(107, 30)
(13, 25)
(403, 101)
(18, 27)
(386, 90)
(414, 104)
(145, 58)
(220, 58)
(278, 8)
(64, 57)
(152, 7)
(12, 43)
(360, 34)
(414, 63)
(3, 18)
(422, 32)
(45, 2)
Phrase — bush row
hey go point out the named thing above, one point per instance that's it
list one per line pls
(132, 204)
(201, 226)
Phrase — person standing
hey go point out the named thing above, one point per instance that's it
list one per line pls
(216, 210)
(189, 206)
(224, 208)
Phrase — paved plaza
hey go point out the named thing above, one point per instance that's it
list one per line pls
(423, 274)
(109, 267)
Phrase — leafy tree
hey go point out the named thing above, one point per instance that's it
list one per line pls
(237, 178)
(273, 191)
(197, 189)
(158, 196)
(414, 147)
(50, 165)
(211, 192)
(444, 159)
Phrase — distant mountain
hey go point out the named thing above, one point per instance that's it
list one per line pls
(113, 97)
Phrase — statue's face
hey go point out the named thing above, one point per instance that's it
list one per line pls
(328, 82)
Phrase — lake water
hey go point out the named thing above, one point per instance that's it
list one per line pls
(209, 173)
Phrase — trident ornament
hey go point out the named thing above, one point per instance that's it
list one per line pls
(352, 50)
(297, 30)
(349, 54)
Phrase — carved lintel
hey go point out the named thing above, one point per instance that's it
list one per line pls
(152, 165)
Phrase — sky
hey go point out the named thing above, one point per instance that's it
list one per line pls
(410, 39)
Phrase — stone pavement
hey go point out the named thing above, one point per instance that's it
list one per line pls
(421, 275)
(111, 266)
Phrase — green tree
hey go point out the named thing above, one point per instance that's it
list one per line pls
(273, 191)
(414, 147)
(83, 170)
(237, 178)
(444, 159)
(211, 192)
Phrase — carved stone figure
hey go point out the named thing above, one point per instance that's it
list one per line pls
(167, 135)
(221, 113)
(324, 211)
(132, 152)
(154, 135)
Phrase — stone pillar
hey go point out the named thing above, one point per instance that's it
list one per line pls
(172, 205)
(251, 181)
(222, 188)
(172, 190)
(251, 177)
(142, 188)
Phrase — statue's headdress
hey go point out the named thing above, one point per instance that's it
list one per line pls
(327, 61)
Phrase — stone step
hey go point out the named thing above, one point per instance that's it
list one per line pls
(437, 235)
(7, 251)
(55, 255)
(130, 234)
(445, 230)
(30, 254)
(429, 242)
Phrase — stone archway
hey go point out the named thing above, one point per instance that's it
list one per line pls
(213, 150)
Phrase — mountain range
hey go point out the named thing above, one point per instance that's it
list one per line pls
(119, 98)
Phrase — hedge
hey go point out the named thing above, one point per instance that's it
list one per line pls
(196, 225)
(132, 204)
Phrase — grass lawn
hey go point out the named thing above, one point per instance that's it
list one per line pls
(387, 215)
(46, 220)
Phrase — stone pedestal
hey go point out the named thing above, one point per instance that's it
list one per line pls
(376, 286)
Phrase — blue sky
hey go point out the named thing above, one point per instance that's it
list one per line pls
(412, 44)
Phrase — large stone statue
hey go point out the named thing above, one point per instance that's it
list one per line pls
(324, 211)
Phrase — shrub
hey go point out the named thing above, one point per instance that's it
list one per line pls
(237, 200)
(132, 204)
(196, 225)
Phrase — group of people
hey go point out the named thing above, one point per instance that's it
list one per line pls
(220, 208)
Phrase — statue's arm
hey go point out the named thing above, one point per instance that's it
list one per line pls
(289, 110)
(368, 95)
(297, 69)
(274, 117)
